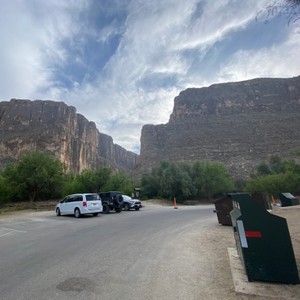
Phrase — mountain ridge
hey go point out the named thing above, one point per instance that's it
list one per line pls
(57, 129)
(239, 124)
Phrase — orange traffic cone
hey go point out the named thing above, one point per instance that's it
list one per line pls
(175, 206)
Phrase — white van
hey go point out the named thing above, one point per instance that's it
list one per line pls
(79, 204)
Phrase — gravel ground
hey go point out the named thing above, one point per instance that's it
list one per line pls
(292, 215)
(209, 263)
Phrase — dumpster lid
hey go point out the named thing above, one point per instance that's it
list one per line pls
(288, 195)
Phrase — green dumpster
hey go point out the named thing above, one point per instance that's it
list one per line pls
(263, 242)
(287, 199)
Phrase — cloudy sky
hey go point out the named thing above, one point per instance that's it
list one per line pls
(122, 62)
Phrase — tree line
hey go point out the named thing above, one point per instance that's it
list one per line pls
(39, 176)
(187, 181)
(275, 177)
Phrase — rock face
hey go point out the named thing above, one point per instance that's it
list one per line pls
(238, 124)
(57, 129)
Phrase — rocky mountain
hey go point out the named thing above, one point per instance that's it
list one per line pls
(56, 128)
(238, 124)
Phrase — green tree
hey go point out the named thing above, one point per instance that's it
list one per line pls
(169, 180)
(212, 179)
(276, 165)
(36, 176)
(119, 182)
(263, 169)
(71, 184)
(176, 182)
(11, 189)
(4, 190)
(185, 181)
(150, 184)
(292, 167)
(274, 184)
(276, 176)
(103, 176)
(87, 181)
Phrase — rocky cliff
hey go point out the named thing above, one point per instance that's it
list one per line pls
(56, 128)
(238, 124)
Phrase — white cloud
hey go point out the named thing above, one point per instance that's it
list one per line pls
(30, 44)
(20, 59)
(276, 61)
(162, 49)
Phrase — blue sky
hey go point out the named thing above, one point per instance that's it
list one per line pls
(122, 62)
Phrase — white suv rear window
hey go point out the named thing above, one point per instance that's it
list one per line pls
(92, 197)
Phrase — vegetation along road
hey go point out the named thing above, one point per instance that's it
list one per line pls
(156, 253)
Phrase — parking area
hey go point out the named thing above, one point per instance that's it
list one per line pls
(155, 253)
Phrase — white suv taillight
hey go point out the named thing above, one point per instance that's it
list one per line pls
(84, 204)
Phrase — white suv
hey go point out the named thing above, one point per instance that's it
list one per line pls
(79, 204)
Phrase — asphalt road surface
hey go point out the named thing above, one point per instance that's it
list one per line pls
(146, 254)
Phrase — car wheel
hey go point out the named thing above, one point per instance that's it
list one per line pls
(77, 213)
(118, 209)
(95, 214)
(137, 208)
(126, 206)
(57, 212)
(119, 199)
(105, 208)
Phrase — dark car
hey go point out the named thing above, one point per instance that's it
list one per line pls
(112, 200)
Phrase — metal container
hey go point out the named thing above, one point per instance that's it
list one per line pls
(263, 242)
(223, 207)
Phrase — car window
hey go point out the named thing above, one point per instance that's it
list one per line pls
(126, 198)
(69, 199)
(104, 195)
(72, 199)
(92, 197)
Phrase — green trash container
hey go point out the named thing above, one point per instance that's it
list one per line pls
(287, 199)
(263, 242)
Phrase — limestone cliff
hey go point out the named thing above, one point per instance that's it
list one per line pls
(238, 124)
(56, 128)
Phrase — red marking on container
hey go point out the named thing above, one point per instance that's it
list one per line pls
(253, 234)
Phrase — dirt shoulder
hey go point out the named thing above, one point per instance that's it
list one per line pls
(292, 215)
(25, 206)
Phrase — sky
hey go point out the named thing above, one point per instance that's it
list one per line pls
(122, 62)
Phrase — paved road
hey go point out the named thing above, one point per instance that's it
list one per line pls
(132, 255)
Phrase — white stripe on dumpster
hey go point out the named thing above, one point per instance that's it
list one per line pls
(241, 230)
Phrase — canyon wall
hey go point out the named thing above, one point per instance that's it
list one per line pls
(238, 124)
(57, 129)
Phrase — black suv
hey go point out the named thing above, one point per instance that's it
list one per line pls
(111, 201)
